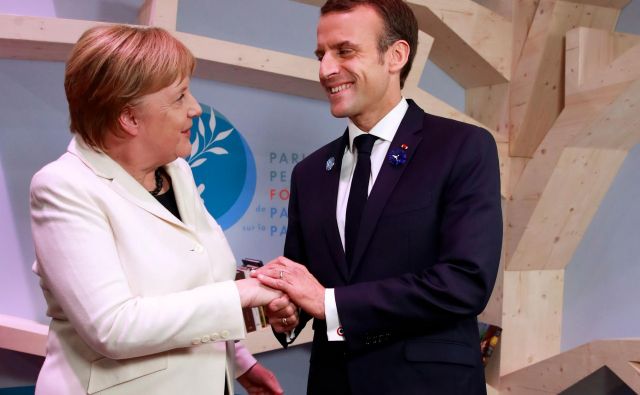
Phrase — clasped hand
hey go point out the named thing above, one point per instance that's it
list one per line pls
(282, 313)
(299, 287)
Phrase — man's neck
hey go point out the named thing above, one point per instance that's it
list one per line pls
(369, 120)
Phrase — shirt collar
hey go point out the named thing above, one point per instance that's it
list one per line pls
(386, 128)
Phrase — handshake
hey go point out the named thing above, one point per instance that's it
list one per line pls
(282, 286)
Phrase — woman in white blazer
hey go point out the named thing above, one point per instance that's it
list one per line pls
(138, 277)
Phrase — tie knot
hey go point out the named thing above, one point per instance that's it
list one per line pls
(364, 143)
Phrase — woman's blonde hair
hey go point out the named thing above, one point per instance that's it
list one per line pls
(112, 66)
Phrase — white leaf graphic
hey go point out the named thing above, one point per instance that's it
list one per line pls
(195, 146)
(198, 162)
(218, 151)
(212, 122)
(201, 127)
(223, 135)
(201, 189)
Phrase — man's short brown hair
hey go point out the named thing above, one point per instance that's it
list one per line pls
(112, 66)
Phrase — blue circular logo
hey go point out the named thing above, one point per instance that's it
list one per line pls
(223, 166)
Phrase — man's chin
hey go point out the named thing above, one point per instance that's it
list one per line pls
(339, 112)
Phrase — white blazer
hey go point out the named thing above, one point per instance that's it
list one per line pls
(140, 302)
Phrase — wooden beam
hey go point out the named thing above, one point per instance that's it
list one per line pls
(592, 60)
(532, 321)
(523, 13)
(503, 8)
(159, 13)
(19, 334)
(618, 128)
(585, 105)
(537, 96)
(560, 372)
(489, 105)
(254, 67)
(577, 186)
(619, 4)
(464, 48)
(435, 106)
(425, 42)
(37, 38)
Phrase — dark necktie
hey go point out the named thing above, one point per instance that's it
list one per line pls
(358, 193)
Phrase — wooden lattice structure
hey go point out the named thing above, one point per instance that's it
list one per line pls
(550, 79)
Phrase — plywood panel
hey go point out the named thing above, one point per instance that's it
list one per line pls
(489, 106)
(537, 96)
(464, 48)
(19, 334)
(584, 106)
(532, 319)
(577, 186)
(160, 13)
(560, 372)
(425, 42)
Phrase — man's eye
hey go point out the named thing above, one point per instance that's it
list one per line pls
(181, 97)
(345, 51)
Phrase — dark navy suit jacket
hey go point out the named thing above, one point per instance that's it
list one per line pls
(425, 261)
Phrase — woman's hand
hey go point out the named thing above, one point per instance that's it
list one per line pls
(260, 381)
(254, 294)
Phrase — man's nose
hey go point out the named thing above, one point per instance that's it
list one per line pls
(328, 67)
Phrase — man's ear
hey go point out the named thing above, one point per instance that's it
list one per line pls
(128, 121)
(398, 55)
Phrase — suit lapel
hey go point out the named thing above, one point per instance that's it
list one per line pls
(183, 191)
(329, 191)
(121, 181)
(408, 133)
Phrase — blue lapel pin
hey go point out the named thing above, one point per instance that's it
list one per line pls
(398, 156)
(330, 162)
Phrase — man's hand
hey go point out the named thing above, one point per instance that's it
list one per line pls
(296, 281)
(260, 381)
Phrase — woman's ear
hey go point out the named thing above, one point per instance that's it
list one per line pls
(398, 55)
(128, 121)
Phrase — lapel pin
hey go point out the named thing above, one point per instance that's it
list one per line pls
(330, 162)
(398, 156)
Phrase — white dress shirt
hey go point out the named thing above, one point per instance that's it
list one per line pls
(385, 130)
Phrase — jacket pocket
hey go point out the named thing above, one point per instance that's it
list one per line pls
(106, 373)
(398, 207)
(444, 351)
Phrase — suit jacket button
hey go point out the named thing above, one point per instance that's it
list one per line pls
(195, 341)
(224, 334)
(215, 337)
(206, 339)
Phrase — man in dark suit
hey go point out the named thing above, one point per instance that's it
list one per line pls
(397, 233)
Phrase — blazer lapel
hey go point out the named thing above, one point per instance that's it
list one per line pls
(408, 133)
(329, 190)
(121, 181)
(183, 191)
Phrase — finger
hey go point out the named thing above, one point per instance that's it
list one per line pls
(279, 304)
(275, 283)
(275, 271)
